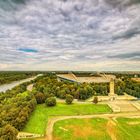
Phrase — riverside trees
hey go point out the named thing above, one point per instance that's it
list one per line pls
(16, 106)
(7, 77)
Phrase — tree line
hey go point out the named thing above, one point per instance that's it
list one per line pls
(16, 106)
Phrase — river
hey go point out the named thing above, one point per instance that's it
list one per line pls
(5, 87)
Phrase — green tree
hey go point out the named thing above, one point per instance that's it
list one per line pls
(61, 94)
(40, 98)
(51, 101)
(49, 95)
(8, 133)
(95, 100)
(69, 99)
(82, 94)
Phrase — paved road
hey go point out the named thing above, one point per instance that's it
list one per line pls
(52, 121)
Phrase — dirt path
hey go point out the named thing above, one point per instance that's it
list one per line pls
(51, 122)
(111, 129)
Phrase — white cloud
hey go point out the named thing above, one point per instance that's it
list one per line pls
(75, 34)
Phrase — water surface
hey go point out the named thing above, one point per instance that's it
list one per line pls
(5, 87)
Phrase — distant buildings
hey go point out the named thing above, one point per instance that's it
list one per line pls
(101, 78)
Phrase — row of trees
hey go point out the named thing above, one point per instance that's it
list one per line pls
(16, 106)
(51, 101)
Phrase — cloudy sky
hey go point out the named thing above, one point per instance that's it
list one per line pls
(70, 35)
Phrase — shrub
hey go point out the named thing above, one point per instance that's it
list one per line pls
(8, 132)
(95, 100)
(51, 101)
(69, 99)
(40, 98)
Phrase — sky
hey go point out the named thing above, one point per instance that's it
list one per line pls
(84, 35)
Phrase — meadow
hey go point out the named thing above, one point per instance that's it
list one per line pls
(39, 118)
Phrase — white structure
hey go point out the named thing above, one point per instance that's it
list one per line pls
(111, 93)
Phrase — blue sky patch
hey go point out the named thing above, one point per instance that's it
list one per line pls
(28, 50)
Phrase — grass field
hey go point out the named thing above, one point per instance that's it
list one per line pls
(128, 128)
(97, 129)
(38, 120)
(81, 129)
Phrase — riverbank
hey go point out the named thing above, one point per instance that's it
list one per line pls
(5, 87)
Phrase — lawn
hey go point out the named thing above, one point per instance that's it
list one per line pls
(81, 129)
(128, 128)
(38, 120)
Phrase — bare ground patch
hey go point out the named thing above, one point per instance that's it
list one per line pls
(84, 132)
